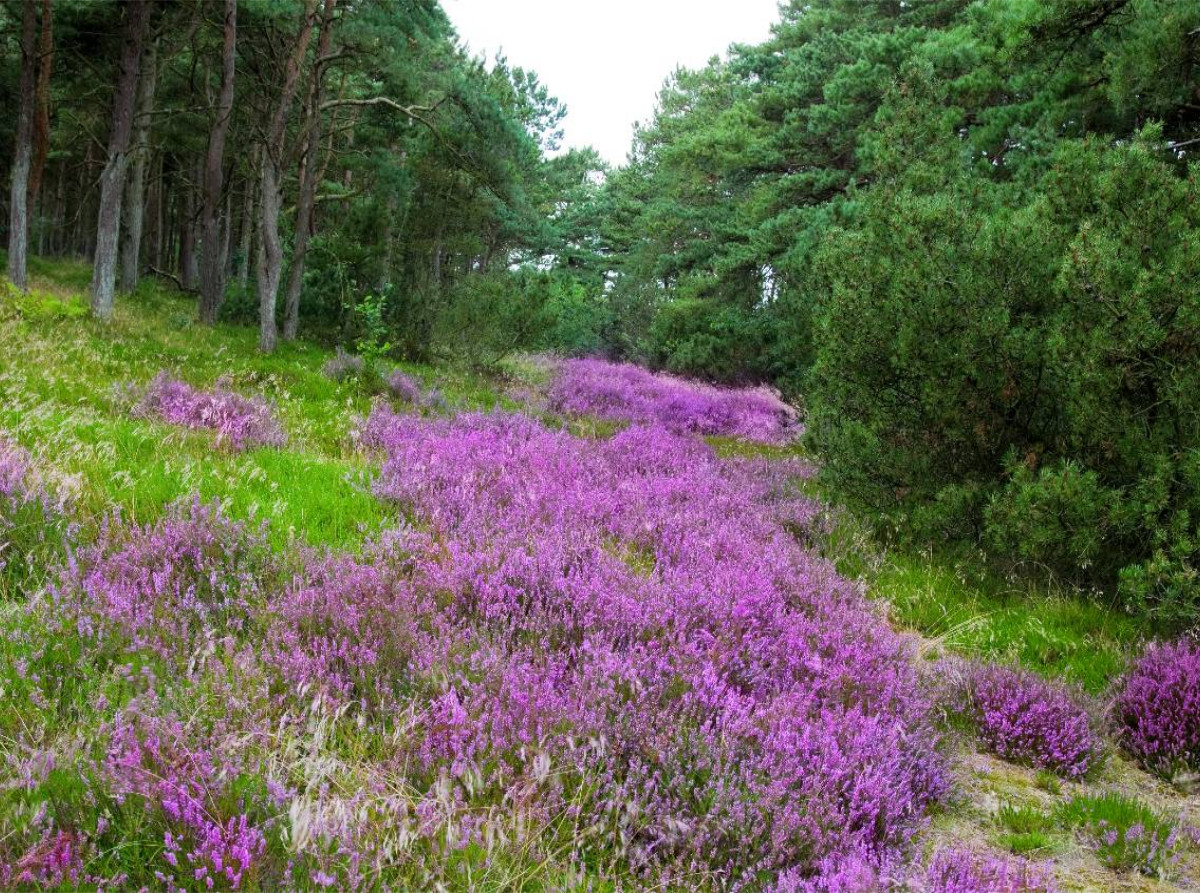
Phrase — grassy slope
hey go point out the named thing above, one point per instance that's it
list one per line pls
(60, 378)
(60, 374)
(955, 604)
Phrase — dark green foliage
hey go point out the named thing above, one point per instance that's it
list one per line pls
(707, 339)
(580, 319)
(964, 235)
(1026, 370)
(488, 317)
(1056, 516)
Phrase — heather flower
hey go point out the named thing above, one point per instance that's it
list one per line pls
(195, 575)
(32, 521)
(239, 422)
(55, 861)
(1029, 720)
(852, 873)
(776, 483)
(715, 668)
(342, 366)
(961, 871)
(150, 758)
(346, 628)
(404, 387)
(624, 392)
(1158, 709)
(435, 400)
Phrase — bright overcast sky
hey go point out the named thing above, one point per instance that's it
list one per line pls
(607, 60)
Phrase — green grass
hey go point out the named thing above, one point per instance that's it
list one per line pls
(975, 611)
(1047, 781)
(60, 380)
(963, 605)
(1025, 830)
(1127, 834)
(735, 447)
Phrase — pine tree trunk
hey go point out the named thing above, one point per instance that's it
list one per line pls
(389, 244)
(133, 211)
(170, 233)
(41, 120)
(227, 238)
(112, 180)
(270, 254)
(212, 266)
(308, 181)
(187, 237)
(295, 284)
(247, 233)
(60, 212)
(75, 242)
(160, 201)
(18, 208)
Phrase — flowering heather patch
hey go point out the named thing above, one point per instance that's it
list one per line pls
(961, 871)
(149, 758)
(1158, 709)
(32, 522)
(164, 588)
(342, 366)
(746, 711)
(54, 862)
(624, 392)
(1028, 720)
(845, 874)
(404, 387)
(239, 422)
(347, 629)
(774, 483)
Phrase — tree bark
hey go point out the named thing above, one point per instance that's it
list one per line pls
(112, 180)
(41, 126)
(133, 209)
(189, 269)
(247, 232)
(77, 241)
(18, 208)
(159, 221)
(226, 239)
(270, 253)
(212, 267)
(59, 214)
(308, 180)
(170, 230)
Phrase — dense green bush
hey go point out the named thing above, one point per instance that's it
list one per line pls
(708, 339)
(1020, 361)
(487, 317)
(1057, 517)
(953, 234)
(632, 306)
(580, 319)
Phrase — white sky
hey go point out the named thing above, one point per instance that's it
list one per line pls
(607, 60)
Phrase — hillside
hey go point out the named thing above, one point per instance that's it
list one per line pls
(568, 627)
